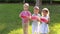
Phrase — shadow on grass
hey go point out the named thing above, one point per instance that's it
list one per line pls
(5, 28)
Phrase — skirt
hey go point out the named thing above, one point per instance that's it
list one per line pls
(44, 28)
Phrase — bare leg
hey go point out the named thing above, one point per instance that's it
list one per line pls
(25, 28)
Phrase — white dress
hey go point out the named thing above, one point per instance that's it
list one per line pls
(44, 28)
(35, 25)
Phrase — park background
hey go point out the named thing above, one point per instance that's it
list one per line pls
(10, 23)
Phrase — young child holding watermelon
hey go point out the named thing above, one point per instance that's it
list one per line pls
(44, 28)
(25, 15)
(35, 20)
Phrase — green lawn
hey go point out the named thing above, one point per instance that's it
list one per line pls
(10, 23)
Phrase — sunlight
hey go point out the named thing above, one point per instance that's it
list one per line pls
(19, 31)
(55, 28)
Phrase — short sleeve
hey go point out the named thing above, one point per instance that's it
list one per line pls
(29, 13)
(21, 14)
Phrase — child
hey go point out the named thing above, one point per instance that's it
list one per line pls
(44, 25)
(35, 23)
(25, 16)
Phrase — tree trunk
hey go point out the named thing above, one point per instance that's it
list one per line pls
(23, 1)
(39, 4)
(50, 1)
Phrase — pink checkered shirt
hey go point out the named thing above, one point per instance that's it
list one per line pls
(25, 13)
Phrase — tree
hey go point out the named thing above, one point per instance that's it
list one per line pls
(50, 1)
(39, 3)
(23, 1)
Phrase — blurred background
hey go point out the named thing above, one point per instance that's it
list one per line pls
(10, 23)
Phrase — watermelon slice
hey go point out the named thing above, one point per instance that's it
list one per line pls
(44, 20)
(24, 16)
(34, 17)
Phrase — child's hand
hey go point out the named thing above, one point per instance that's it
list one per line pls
(29, 17)
(48, 21)
(38, 18)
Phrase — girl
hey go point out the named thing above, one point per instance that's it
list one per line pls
(25, 16)
(44, 25)
(35, 23)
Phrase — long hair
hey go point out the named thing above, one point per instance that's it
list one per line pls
(45, 10)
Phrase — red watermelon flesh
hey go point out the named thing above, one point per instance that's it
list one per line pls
(44, 20)
(24, 16)
(34, 17)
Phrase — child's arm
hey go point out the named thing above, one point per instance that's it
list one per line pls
(20, 15)
(29, 15)
(38, 19)
(48, 21)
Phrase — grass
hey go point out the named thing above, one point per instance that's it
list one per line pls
(10, 23)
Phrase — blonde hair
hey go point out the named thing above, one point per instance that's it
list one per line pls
(26, 4)
(45, 9)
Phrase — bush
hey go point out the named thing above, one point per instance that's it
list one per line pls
(12, 0)
(30, 1)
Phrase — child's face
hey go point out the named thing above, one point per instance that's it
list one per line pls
(26, 7)
(44, 13)
(36, 11)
